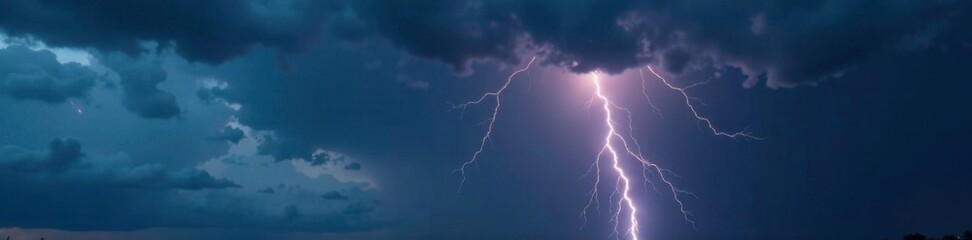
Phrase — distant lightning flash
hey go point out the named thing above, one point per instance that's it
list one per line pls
(617, 146)
(76, 107)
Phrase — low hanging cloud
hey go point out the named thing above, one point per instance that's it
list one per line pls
(27, 74)
(129, 196)
(63, 162)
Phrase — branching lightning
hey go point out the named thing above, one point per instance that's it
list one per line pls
(489, 130)
(744, 134)
(625, 198)
(616, 142)
(619, 144)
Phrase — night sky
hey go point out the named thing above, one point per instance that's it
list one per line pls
(333, 119)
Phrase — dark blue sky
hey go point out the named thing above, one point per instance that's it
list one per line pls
(331, 119)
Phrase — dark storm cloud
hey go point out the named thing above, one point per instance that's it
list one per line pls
(207, 31)
(331, 99)
(60, 154)
(785, 43)
(230, 134)
(788, 44)
(344, 96)
(37, 75)
(60, 187)
(323, 158)
(358, 209)
(791, 44)
(580, 35)
(141, 94)
(454, 32)
(334, 195)
(267, 190)
(64, 159)
(282, 150)
(353, 166)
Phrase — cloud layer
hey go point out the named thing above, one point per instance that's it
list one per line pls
(367, 78)
(123, 195)
(37, 75)
(209, 32)
(64, 163)
(785, 44)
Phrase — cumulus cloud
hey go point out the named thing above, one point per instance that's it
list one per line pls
(141, 94)
(37, 75)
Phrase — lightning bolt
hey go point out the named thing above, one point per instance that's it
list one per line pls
(623, 180)
(490, 122)
(617, 146)
(744, 134)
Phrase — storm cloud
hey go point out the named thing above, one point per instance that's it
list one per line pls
(369, 79)
(134, 196)
(231, 134)
(141, 93)
(64, 157)
(785, 44)
(37, 75)
(208, 32)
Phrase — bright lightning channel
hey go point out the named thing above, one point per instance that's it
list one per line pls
(626, 199)
(615, 145)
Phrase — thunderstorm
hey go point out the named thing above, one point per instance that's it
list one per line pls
(485, 119)
(617, 146)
